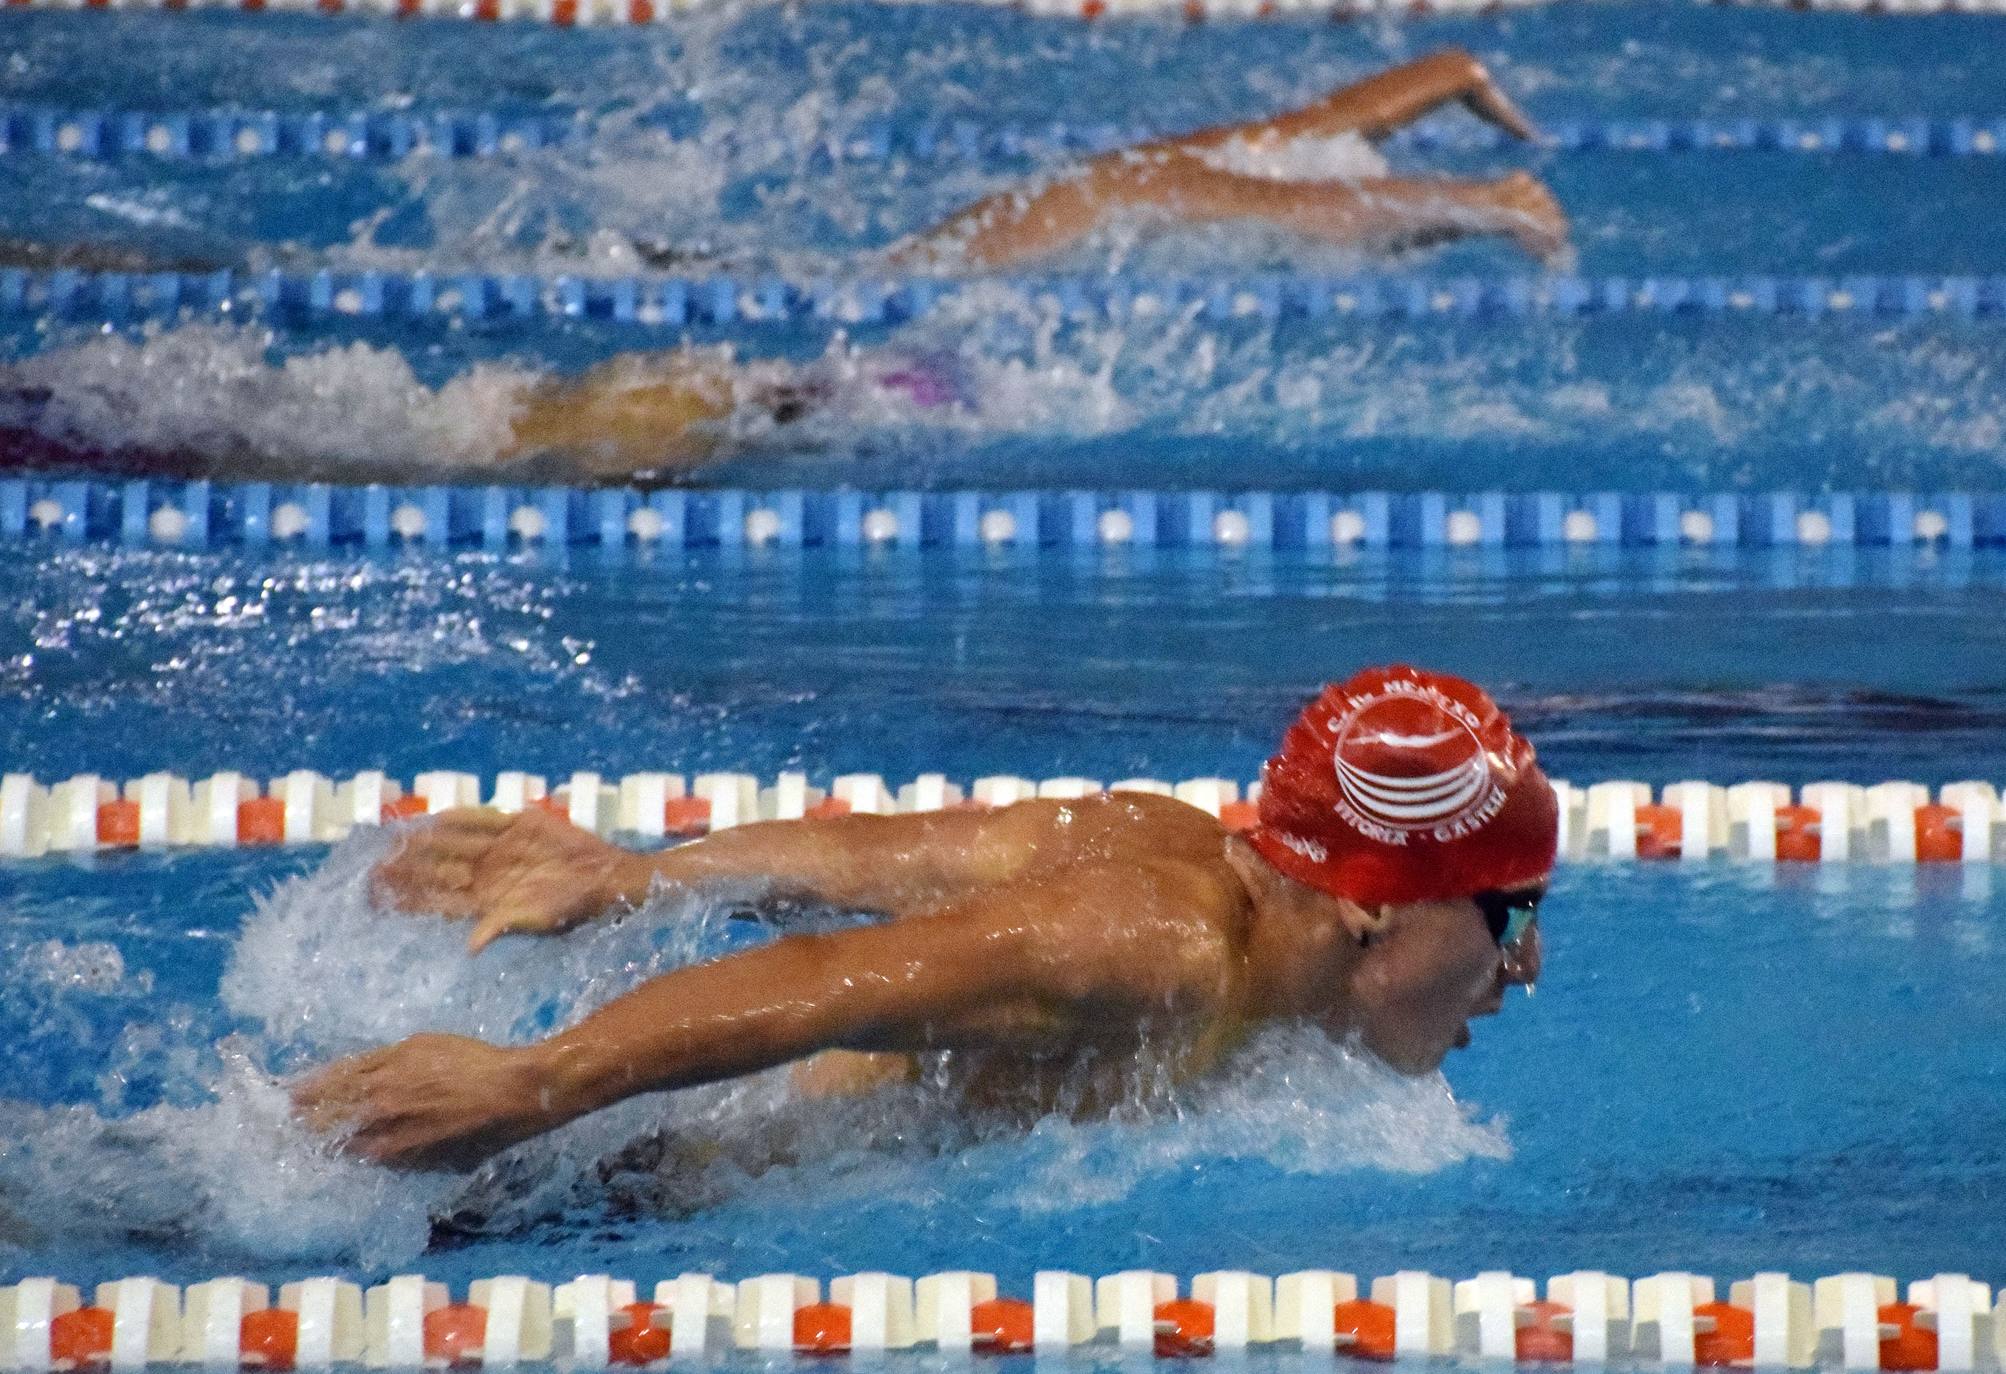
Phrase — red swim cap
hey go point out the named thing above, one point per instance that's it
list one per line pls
(1406, 786)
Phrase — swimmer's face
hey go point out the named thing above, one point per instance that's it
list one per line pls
(1430, 969)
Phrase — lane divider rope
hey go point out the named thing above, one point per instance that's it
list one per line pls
(237, 134)
(118, 298)
(1616, 821)
(624, 521)
(1849, 1321)
(219, 135)
(1875, 8)
(566, 13)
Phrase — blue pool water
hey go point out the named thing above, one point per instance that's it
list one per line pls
(1663, 1100)
(1656, 664)
(1725, 1069)
(703, 138)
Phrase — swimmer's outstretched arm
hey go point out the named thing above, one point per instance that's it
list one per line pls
(1171, 175)
(535, 873)
(1037, 965)
(1378, 214)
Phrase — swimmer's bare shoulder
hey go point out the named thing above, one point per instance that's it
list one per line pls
(1115, 915)
(536, 874)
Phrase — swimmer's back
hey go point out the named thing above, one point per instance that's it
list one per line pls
(1109, 827)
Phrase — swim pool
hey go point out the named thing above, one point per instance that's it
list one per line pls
(1663, 1102)
(1658, 665)
(1769, 1138)
(714, 136)
(1730, 1155)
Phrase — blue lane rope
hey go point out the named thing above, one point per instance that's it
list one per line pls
(236, 135)
(617, 521)
(378, 135)
(115, 298)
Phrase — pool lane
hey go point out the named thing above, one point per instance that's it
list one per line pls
(1797, 665)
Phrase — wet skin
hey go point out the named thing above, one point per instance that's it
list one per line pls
(1048, 934)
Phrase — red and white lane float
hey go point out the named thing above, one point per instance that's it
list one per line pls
(1616, 821)
(570, 13)
(1761, 822)
(1672, 1319)
(1892, 823)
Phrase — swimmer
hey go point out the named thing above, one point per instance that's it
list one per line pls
(1387, 895)
(662, 412)
(1243, 172)
(1240, 171)
(659, 415)
(634, 417)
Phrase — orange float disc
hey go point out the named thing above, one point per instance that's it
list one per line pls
(686, 815)
(1002, 1326)
(1939, 835)
(81, 1338)
(828, 809)
(640, 1341)
(1184, 1328)
(1659, 830)
(1239, 816)
(269, 1339)
(1912, 1347)
(118, 824)
(822, 1328)
(1732, 1340)
(1540, 1338)
(404, 808)
(1797, 834)
(261, 820)
(456, 1333)
(1370, 1326)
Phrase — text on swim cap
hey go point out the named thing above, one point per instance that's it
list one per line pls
(1456, 798)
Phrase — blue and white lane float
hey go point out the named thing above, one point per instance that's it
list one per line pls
(628, 522)
(120, 298)
(235, 134)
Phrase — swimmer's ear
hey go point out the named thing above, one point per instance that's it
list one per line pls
(1366, 923)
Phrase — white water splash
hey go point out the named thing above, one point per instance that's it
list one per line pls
(89, 966)
(217, 390)
(1340, 157)
(1015, 362)
(320, 971)
(234, 1175)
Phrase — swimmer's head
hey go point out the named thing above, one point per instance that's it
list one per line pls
(1408, 796)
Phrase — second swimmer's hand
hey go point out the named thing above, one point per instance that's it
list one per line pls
(528, 874)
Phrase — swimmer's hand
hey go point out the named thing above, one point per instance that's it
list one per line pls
(429, 1102)
(528, 874)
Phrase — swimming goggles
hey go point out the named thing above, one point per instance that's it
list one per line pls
(1513, 920)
